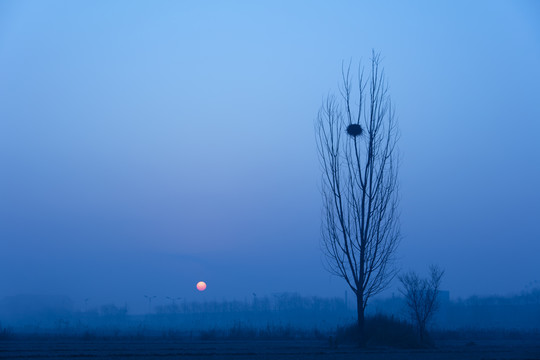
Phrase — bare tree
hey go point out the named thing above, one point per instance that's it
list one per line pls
(356, 140)
(421, 296)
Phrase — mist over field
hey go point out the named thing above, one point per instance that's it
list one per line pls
(148, 146)
(284, 312)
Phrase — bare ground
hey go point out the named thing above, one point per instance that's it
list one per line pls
(58, 348)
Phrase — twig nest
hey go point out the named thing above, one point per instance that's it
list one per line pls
(354, 130)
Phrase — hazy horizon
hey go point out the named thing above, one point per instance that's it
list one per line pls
(146, 146)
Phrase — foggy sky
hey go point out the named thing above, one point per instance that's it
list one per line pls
(145, 146)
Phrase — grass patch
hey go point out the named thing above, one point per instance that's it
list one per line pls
(381, 330)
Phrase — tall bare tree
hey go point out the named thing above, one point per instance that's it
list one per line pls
(356, 139)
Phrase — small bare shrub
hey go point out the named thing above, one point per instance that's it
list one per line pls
(421, 297)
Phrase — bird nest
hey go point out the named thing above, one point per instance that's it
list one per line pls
(354, 130)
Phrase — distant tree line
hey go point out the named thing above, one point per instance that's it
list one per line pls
(286, 310)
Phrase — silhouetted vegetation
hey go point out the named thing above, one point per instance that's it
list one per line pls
(381, 330)
(242, 332)
(282, 316)
(422, 298)
(5, 333)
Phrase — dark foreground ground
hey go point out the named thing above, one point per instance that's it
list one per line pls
(58, 348)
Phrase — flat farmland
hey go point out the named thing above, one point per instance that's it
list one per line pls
(158, 348)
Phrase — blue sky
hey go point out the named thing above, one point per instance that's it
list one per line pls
(145, 146)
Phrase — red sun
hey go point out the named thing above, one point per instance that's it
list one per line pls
(201, 286)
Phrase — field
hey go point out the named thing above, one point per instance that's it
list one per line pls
(160, 348)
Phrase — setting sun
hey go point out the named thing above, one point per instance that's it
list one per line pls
(201, 286)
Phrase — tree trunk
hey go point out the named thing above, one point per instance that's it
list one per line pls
(421, 330)
(361, 319)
